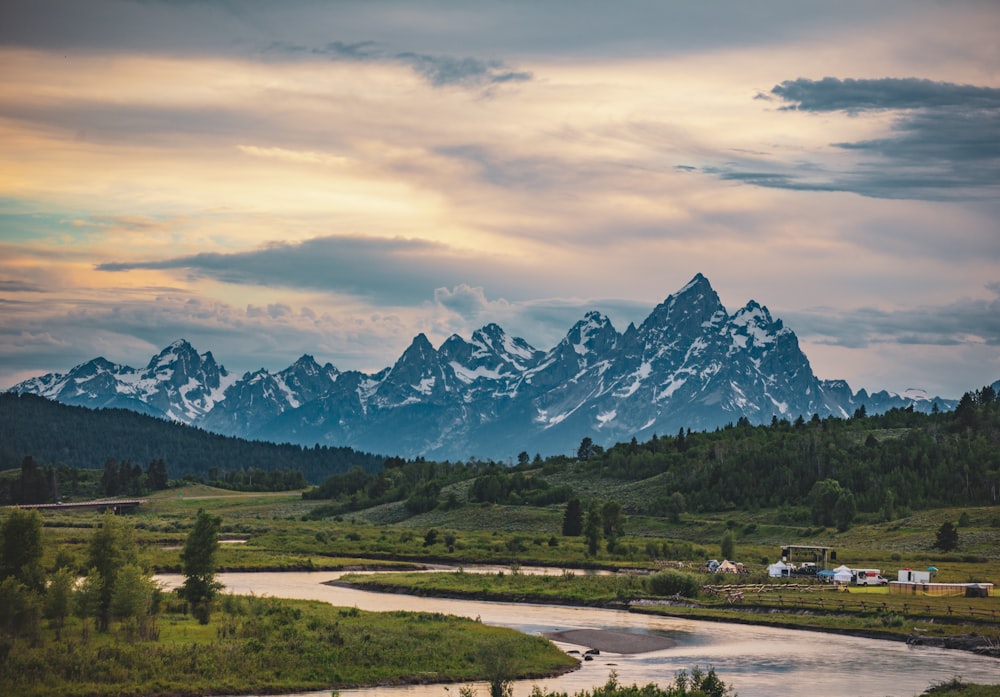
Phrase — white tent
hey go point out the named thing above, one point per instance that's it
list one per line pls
(779, 569)
(842, 574)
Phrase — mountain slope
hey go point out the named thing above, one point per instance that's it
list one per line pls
(689, 364)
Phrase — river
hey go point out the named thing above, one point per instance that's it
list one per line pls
(756, 661)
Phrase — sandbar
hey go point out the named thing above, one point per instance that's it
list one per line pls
(612, 641)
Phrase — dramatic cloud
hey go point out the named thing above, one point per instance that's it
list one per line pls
(396, 271)
(943, 144)
(853, 96)
(270, 179)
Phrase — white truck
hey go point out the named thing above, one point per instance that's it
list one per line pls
(868, 577)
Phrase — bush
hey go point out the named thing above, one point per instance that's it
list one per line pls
(673, 583)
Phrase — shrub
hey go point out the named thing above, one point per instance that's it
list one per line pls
(673, 583)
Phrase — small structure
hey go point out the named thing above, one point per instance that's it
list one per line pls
(813, 553)
(779, 569)
(727, 567)
(842, 574)
(913, 576)
(912, 582)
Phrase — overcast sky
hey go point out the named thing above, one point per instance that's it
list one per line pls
(270, 179)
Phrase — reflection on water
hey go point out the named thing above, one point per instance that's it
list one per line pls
(757, 661)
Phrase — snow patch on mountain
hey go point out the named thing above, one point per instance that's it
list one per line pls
(689, 364)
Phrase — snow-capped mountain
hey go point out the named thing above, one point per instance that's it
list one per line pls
(690, 364)
(177, 384)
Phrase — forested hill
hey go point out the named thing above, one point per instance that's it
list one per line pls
(872, 464)
(54, 433)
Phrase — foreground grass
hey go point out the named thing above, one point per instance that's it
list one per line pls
(266, 645)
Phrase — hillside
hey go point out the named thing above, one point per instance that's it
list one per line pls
(54, 433)
(690, 364)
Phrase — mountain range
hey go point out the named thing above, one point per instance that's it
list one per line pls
(689, 365)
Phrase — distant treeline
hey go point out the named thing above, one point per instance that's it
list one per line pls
(56, 434)
(900, 459)
(875, 465)
(880, 466)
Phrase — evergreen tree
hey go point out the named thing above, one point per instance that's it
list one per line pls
(156, 475)
(198, 559)
(592, 529)
(573, 519)
(947, 537)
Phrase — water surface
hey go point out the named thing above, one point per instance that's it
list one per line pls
(757, 661)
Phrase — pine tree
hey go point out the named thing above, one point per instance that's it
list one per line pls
(947, 537)
(573, 519)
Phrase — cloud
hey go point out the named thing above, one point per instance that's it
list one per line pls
(943, 142)
(963, 322)
(8, 285)
(398, 271)
(467, 72)
(438, 70)
(853, 96)
(464, 300)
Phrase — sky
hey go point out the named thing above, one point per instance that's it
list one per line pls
(272, 179)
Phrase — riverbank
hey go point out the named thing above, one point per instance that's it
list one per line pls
(628, 593)
(800, 620)
(265, 645)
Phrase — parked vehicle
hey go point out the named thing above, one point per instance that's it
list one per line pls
(868, 577)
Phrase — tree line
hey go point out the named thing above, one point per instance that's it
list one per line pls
(839, 467)
(115, 588)
(55, 434)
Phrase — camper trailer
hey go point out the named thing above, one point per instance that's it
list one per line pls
(868, 577)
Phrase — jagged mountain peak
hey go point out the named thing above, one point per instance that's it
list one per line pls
(98, 365)
(688, 364)
(420, 347)
(594, 328)
(304, 365)
(699, 284)
(689, 310)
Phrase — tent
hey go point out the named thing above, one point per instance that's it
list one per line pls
(842, 575)
(779, 569)
(825, 575)
(727, 567)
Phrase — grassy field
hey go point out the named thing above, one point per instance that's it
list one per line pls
(266, 645)
(867, 611)
(276, 532)
(268, 532)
